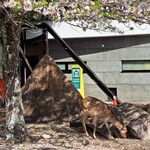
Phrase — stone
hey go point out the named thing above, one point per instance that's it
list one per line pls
(46, 136)
(135, 118)
(48, 95)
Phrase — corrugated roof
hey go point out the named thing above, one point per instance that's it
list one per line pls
(66, 30)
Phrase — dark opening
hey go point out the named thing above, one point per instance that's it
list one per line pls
(114, 91)
(33, 60)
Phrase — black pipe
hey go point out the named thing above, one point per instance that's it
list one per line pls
(85, 67)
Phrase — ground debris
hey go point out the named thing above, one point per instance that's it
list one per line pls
(48, 137)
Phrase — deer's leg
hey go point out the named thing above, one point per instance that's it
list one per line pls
(109, 136)
(84, 116)
(95, 120)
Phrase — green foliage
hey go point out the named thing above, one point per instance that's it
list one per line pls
(38, 5)
(17, 9)
(129, 16)
(44, 2)
(97, 5)
(34, 16)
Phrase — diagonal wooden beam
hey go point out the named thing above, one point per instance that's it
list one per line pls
(85, 67)
(25, 59)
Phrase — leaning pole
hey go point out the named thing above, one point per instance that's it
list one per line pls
(85, 67)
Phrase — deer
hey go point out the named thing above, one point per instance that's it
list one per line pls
(100, 111)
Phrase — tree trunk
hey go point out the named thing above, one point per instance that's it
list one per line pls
(10, 33)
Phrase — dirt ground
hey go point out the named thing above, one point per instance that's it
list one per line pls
(50, 137)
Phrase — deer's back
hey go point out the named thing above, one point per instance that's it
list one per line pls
(95, 107)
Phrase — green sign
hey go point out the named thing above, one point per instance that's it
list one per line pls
(76, 77)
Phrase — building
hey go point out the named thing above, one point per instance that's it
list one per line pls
(122, 61)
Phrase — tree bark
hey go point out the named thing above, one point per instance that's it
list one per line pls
(10, 33)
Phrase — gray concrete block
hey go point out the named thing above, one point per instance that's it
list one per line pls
(95, 91)
(124, 93)
(96, 66)
(140, 78)
(115, 54)
(117, 78)
(112, 66)
(138, 92)
(127, 54)
(146, 95)
(105, 66)
(111, 78)
(141, 92)
(140, 53)
(92, 57)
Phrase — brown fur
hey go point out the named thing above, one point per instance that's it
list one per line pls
(99, 110)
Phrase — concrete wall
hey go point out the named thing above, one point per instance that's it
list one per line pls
(104, 56)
